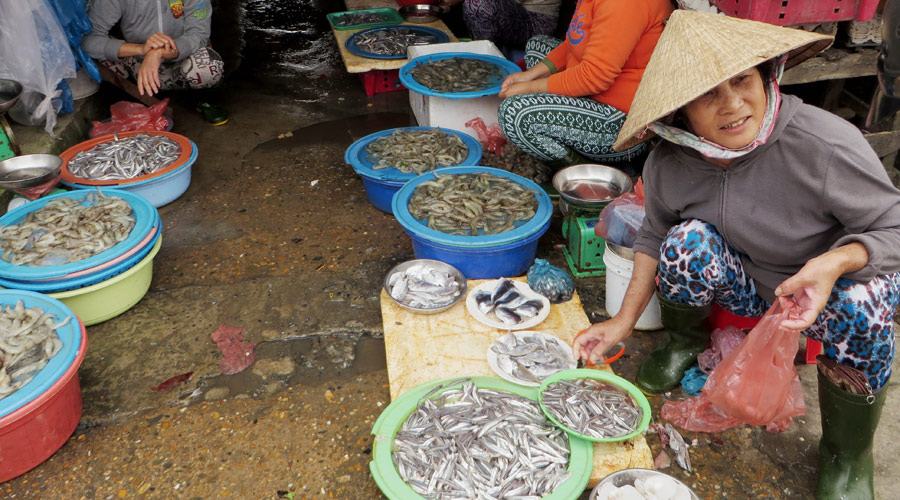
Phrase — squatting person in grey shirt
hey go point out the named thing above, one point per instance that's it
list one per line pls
(165, 46)
(753, 196)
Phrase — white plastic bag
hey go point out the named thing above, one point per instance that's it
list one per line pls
(34, 51)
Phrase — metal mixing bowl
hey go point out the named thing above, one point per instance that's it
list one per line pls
(434, 264)
(421, 13)
(10, 91)
(627, 476)
(591, 184)
(25, 171)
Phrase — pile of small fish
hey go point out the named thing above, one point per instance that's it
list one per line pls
(480, 443)
(472, 204)
(125, 158)
(592, 407)
(423, 287)
(357, 18)
(644, 488)
(417, 151)
(457, 74)
(506, 304)
(28, 340)
(518, 162)
(530, 357)
(391, 42)
(67, 230)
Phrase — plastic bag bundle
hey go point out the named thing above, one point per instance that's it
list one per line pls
(128, 116)
(620, 220)
(491, 138)
(550, 281)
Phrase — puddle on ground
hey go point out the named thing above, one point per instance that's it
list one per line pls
(302, 360)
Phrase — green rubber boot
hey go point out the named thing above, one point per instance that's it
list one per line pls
(687, 335)
(213, 113)
(845, 450)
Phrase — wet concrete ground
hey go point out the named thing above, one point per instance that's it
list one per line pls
(275, 235)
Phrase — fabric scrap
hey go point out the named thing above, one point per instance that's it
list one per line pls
(237, 354)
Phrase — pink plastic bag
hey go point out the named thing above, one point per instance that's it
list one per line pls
(491, 138)
(756, 384)
(621, 219)
(128, 116)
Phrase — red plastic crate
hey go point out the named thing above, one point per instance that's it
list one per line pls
(793, 12)
(720, 318)
(381, 80)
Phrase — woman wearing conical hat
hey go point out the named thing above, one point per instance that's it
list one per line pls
(753, 195)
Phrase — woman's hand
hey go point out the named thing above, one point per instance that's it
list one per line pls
(159, 41)
(531, 81)
(591, 343)
(813, 283)
(148, 74)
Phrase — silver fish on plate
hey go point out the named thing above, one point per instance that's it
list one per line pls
(530, 357)
(507, 304)
(424, 287)
(592, 407)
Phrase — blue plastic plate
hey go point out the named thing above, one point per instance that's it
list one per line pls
(145, 216)
(350, 44)
(69, 334)
(524, 229)
(357, 156)
(506, 66)
(65, 285)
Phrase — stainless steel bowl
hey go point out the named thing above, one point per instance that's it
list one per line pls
(624, 252)
(25, 171)
(10, 91)
(435, 264)
(627, 476)
(591, 184)
(421, 13)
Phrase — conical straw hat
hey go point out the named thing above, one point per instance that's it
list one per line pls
(698, 51)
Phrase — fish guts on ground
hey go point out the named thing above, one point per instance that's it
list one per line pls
(67, 230)
(28, 340)
(457, 74)
(417, 151)
(125, 158)
(472, 204)
(480, 443)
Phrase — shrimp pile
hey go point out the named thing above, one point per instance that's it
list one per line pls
(28, 340)
(417, 151)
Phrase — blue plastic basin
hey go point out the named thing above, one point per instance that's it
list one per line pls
(380, 192)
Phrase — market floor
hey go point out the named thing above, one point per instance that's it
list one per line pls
(275, 236)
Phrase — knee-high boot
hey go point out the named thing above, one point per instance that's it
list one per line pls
(845, 451)
(687, 335)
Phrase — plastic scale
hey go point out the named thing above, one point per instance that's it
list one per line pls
(584, 191)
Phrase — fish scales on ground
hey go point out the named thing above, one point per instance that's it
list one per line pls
(480, 443)
(423, 287)
(417, 151)
(125, 158)
(28, 340)
(457, 74)
(391, 42)
(592, 408)
(530, 357)
(357, 18)
(67, 230)
(472, 204)
(506, 304)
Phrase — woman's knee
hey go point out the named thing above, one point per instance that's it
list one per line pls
(690, 238)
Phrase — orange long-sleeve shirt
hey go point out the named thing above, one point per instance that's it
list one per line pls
(607, 48)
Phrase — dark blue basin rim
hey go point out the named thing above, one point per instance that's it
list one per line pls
(400, 207)
(506, 68)
(356, 155)
(145, 216)
(69, 334)
(350, 44)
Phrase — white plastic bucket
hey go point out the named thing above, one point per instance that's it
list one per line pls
(618, 274)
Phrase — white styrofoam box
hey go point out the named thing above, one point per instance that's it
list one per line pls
(431, 111)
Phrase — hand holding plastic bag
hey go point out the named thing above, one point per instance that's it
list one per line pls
(756, 384)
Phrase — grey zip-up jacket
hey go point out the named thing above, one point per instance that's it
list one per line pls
(815, 185)
(188, 22)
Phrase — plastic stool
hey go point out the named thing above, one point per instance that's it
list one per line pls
(720, 318)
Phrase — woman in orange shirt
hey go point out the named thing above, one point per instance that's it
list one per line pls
(568, 107)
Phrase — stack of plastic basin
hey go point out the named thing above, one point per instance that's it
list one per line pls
(101, 286)
(506, 254)
(37, 419)
(381, 184)
(159, 188)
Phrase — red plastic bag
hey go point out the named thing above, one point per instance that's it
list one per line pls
(128, 116)
(756, 384)
(491, 138)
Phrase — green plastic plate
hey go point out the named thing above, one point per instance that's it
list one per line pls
(387, 478)
(391, 16)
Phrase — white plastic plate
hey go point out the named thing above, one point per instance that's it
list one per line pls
(491, 321)
(504, 367)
